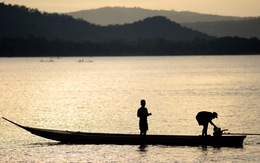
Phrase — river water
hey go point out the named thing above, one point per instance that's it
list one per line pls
(102, 94)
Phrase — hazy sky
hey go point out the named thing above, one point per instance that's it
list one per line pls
(220, 7)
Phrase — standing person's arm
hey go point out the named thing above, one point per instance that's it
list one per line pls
(148, 113)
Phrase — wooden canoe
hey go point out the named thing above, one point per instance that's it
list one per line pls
(72, 137)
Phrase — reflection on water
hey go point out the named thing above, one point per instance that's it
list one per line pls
(143, 148)
(45, 144)
(104, 94)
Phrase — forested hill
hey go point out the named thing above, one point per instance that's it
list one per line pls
(214, 25)
(153, 28)
(121, 15)
(29, 32)
(243, 28)
(19, 21)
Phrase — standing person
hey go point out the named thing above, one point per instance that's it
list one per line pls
(142, 113)
(204, 118)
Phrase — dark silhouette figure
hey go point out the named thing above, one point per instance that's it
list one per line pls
(142, 113)
(204, 118)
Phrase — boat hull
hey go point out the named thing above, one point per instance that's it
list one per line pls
(133, 139)
(72, 137)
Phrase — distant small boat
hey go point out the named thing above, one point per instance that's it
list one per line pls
(82, 60)
(71, 137)
(46, 60)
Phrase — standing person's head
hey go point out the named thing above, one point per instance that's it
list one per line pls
(143, 103)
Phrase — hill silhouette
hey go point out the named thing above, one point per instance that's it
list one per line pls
(29, 32)
(243, 28)
(121, 15)
(153, 28)
(214, 25)
(19, 21)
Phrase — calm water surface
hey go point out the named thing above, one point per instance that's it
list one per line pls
(102, 94)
